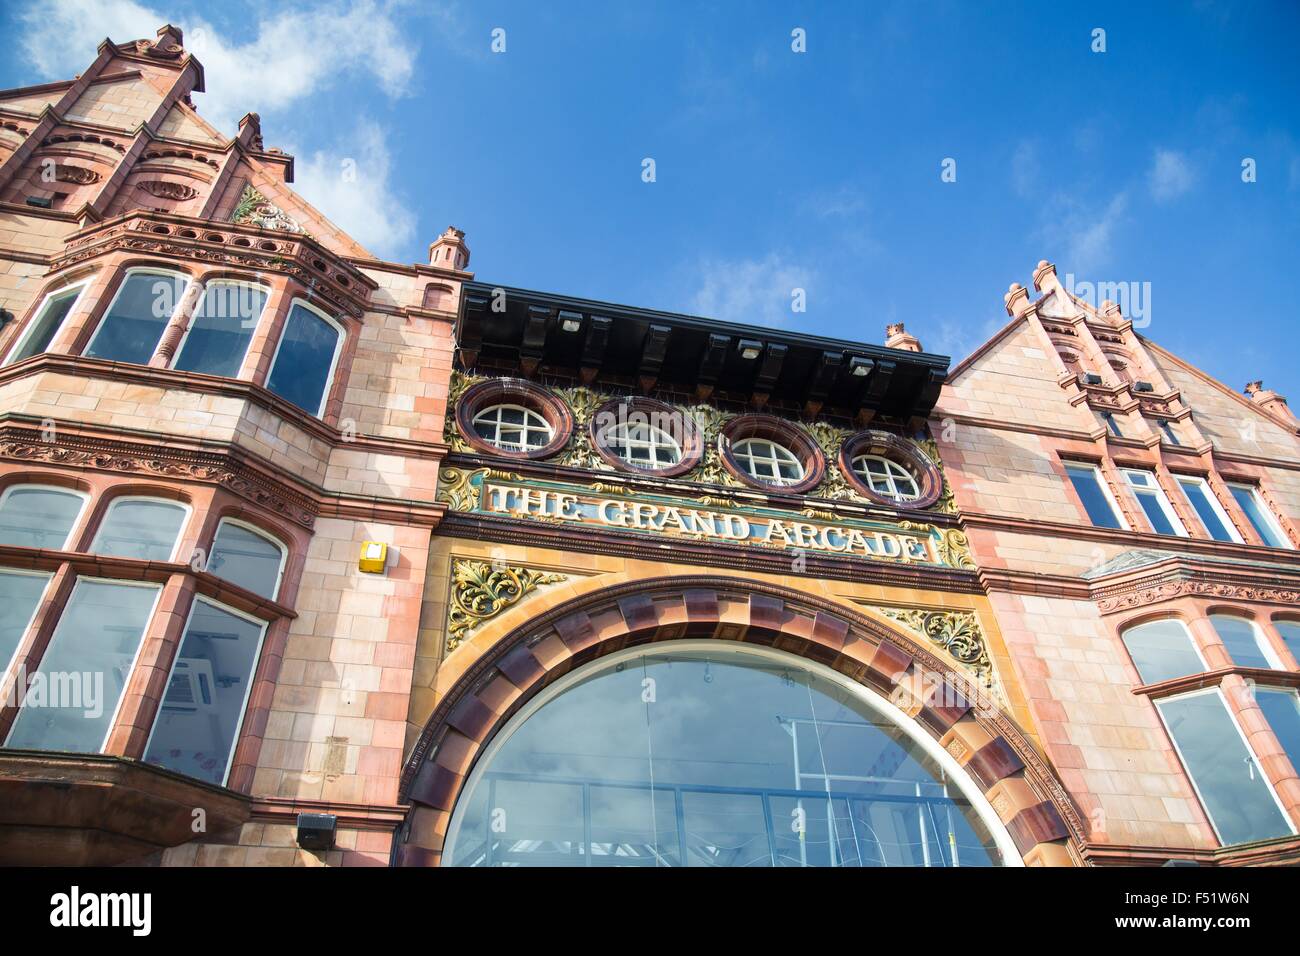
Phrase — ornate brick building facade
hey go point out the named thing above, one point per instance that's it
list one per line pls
(1135, 523)
(480, 575)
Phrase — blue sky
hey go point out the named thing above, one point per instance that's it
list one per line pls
(774, 169)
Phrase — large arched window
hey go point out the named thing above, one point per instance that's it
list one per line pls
(304, 363)
(691, 754)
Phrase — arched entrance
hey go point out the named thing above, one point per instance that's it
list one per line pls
(718, 721)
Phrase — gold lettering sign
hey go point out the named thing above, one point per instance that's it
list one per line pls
(682, 520)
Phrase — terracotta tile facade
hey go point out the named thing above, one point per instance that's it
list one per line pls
(375, 692)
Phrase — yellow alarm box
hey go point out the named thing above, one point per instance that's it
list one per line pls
(374, 557)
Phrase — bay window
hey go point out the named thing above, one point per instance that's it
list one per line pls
(72, 698)
(45, 325)
(1225, 772)
(38, 516)
(207, 690)
(133, 325)
(221, 329)
(303, 368)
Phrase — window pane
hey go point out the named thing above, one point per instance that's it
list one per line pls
(305, 361)
(221, 329)
(34, 517)
(73, 695)
(1282, 708)
(1241, 640)
(1230, 783)
(736, 757)
(135, 321)
(46, 324)
(1290, 631)
(194, 733)
(1155, 513)
(1086, 484)
(19, 596)
(1258, 516)
(1162, 650)
(246, 558)
(1198, 498)
(138, 528)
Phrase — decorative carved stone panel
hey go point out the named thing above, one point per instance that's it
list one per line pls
(481, 590)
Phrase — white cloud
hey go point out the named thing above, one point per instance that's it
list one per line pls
(1085, 232)
(1170, 175)
(293, 54)
(757, 292)
(351, 185)
(960, 338)
(1025, 169)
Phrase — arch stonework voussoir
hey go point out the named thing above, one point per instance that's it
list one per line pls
(1019, 785)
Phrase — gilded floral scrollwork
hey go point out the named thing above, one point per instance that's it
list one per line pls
(957, 632)
(710, 470)
(456, 489)
(954, 550)
(947, 503)
(480, 591)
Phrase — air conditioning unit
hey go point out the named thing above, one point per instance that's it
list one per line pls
(191, 690)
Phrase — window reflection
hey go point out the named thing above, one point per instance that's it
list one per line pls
(200, 715)
(135, 321)
(304, 364)
(221, 329)
(733, 759)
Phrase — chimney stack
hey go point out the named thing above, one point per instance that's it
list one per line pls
(1269, 399)
(896, 337)
(449, 251)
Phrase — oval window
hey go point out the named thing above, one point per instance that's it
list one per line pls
(512, 428)
(766, 461)
(886, 477)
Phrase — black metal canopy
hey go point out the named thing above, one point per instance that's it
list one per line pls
(534, 333)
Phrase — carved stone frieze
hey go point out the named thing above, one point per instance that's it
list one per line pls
(1170, 590)
(80, 175)
(254, 209)
(203, 467)
(163, 189)
(337, 285)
